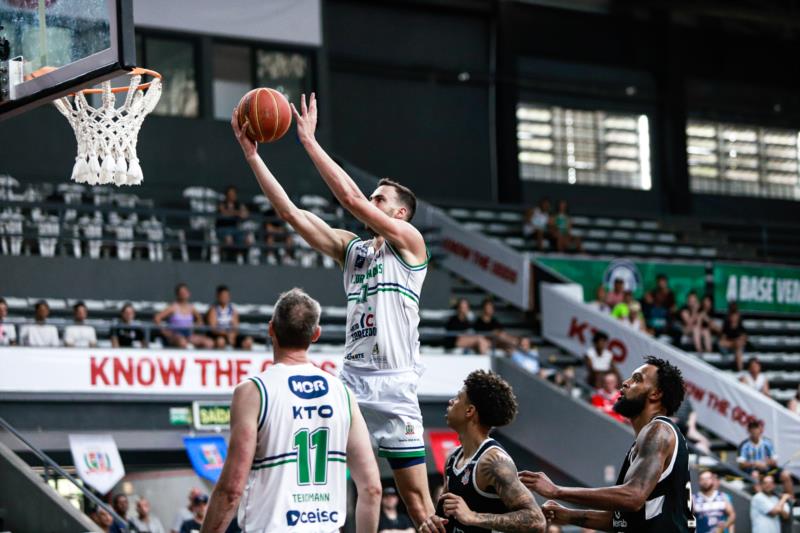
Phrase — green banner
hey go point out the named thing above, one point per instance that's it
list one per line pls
(639, 276)
(763, 288)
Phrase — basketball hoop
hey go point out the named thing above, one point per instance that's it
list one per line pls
(107, 135)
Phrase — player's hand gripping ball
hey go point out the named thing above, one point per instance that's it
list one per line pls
(267, 114)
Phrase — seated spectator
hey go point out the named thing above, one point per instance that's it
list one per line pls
(561, 230)
(8, 333)
(181, 317)
(230, 213)
(754, 378)
(101, 518)
(144, 521)
(617, 294)
(686, 420)
(794, 403)
(40, 334)
(195, 523)
(629, 311)
(125, 334)
(600, 302)
(690, 320)
(659, 306)
(607, 395)
(757, 457)
(707, 325)
(465, 339)
(767, 510)
(734, 336)
(487, 324)
(537, 222)
(599, 359)
(392, 520)
(79, 334)
(120, 504)
(223, 319)
(526, 356)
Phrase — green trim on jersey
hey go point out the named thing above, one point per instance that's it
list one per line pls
(279, 463)
(262, 406)
(403, 262)
(347, 250)
(349, 404)
(400, 455)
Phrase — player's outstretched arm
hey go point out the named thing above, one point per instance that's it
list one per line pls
(230, 486)
(364, 471)
(400, 233)
(316, 232)
(559, 515)
(654, 444)
(496, 469)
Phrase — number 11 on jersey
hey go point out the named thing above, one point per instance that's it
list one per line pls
(305, 443)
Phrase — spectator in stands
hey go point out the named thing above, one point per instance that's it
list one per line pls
(712, 508)
(460, 332)
(629, 312)
(561, 230)
(767, 509)
(537, 222)
(526, 356)
(757, 457)
(125, 334)
(102, 518)
(40, 334)
(280, 241)
(617, 294)
(185, 513)
(120, 505)
(566, 380)
(182, 317)
(599, 359)
(734, 336)
(686, 420)
(794, 403)
(391, 519)
(199, 505)
(144, 522)
(658, 307)
(487, 324)
(600, 302)
(223, 319)
(707, 325)
(754, 378)
(607, 395)
(79, 334)
(230, 213)
(8, 333)
(691, 320)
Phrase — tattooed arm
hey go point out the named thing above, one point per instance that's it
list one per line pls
(496, 469)
(653, 448)
(559, 515)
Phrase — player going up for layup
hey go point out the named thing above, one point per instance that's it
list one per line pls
(383, 278)
(653, 493)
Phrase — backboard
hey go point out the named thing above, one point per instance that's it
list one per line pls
(83, 42)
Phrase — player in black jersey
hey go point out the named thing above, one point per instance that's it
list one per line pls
(482, 492)
(653, 492)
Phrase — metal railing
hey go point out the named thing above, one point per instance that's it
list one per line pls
(49, 464)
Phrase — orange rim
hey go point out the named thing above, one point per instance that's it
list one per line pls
(140, 87)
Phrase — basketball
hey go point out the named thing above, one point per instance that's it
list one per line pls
(268, 112)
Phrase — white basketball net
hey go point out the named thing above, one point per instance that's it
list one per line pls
(107, 135)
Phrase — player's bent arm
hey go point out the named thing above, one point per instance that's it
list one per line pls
(654, 444)
(241, 449)
(364, 471)
(496, 469)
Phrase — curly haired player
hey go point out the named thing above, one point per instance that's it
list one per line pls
(482, 491)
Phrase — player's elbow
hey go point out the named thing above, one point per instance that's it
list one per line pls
(537, 522)
(230, 494)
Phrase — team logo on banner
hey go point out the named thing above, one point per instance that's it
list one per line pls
(207, 455)
(97, 461)
(625, 270)
(211, 456)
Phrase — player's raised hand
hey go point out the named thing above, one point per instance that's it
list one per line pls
(539, 483)
(249, 146)
(555, 513)
(306, 118)
(456, 507)
(433, 524)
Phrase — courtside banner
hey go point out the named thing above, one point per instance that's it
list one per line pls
(722, 403)
(97, 461)
(488, 263)
(182, 372)
(758, 288)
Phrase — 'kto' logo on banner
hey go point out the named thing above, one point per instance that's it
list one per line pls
(97, 462)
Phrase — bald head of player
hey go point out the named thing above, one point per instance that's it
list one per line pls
(294, 325)
(655, 388)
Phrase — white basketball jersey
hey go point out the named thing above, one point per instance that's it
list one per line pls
(298, 478)
(382, 308)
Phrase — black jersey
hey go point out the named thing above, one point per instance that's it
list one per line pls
(668, 508)
(462, 482)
